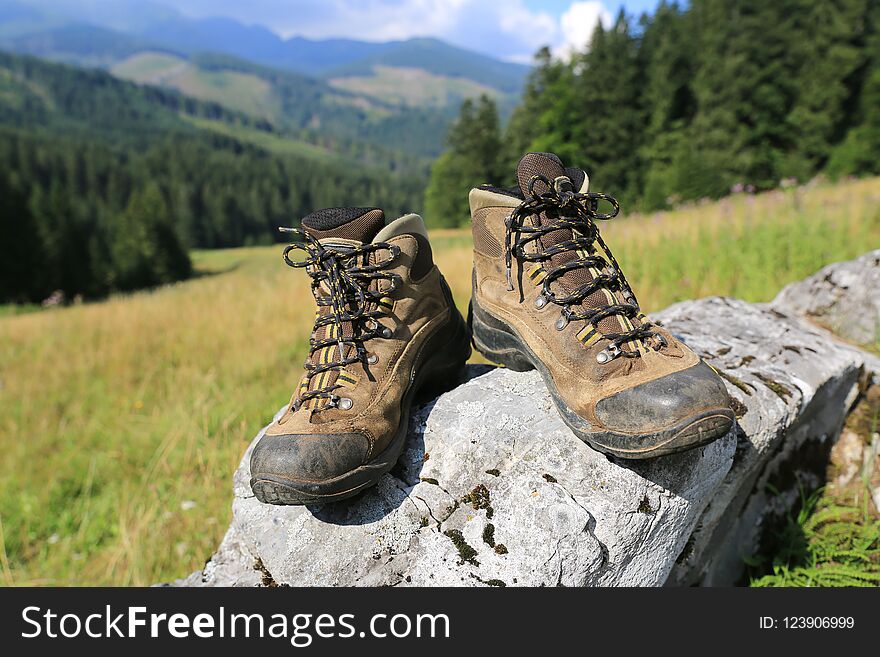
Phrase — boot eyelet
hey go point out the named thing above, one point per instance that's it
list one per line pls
(386, 332)
(561, 323)
(608, 354)
(540, 302)
(345, 404)
(372, 359)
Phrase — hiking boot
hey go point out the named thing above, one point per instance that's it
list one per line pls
(386, 327)
(548, 294)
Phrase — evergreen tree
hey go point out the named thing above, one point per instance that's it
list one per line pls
(523, 127)
(704, 96)
(473, 158)
(859, 152)
(593, 115)
(744, 87)
(145, 250)
(614, 127)
(668, 60)
(831, 64)
(20, 266)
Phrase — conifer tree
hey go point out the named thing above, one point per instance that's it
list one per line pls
(668, 57)
(614, 127)
(523, 127)
(831, 63)
(20, 266)
(473, 158)
(859, 152)
(145, 249)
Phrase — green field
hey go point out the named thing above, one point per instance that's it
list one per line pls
(243, 92)
(413, 87)
(270, 141)
(149, 67)
(122, 421)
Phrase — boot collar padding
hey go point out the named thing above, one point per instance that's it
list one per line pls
(483, 198)
(408, 224)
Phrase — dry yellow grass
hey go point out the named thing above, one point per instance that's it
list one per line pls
(116, 416)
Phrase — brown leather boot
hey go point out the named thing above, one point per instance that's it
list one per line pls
(386, 327)
(548, 294)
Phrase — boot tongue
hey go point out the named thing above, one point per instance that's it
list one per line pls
(551, 167)
(343, 228)
(356, 224)
(547, 165)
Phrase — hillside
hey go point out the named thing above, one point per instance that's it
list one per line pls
(105, 183)
(305, 108)
(46, 97)
(400, 95)
(163, 26)
(51, 98)
(440, 59)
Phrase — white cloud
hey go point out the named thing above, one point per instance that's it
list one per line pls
(578, 23)
(507, 29)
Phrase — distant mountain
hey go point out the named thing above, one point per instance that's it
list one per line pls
(439, 58)
(397, 96)
(76, 43)
(163, 28)
(120, 15)
(49, 98)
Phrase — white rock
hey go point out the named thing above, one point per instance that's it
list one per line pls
(565, 514)
(843, 297)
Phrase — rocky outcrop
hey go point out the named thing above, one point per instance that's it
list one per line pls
(493, 488)
(844, 298)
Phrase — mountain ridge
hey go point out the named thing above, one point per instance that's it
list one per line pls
(32, 26)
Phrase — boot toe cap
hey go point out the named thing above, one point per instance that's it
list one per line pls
(308, 458)
(666, 403)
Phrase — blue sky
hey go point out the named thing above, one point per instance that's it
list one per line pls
(508, 29)
(559, 6)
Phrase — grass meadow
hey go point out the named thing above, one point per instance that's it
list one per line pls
(121, 421)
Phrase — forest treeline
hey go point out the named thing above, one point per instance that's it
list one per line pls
(691, 102)
(105, 186)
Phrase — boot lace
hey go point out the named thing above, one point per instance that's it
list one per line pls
(579, 212)
(346, 273)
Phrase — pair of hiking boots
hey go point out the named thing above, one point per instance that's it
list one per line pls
(547, 295)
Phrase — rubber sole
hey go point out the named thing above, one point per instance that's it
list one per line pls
(499, 342)
(442, 368)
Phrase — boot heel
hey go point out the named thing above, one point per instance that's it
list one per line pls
(448, 354)
(496, 343)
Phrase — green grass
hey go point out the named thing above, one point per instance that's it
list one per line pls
(744, 246)
(269, 141)
(12, 309)
(243, 92)
(826, 544)
(832, 537)
(148, 67)
(115, 415)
